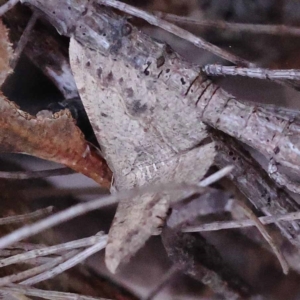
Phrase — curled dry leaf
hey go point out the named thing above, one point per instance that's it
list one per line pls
(53, 137)
(6, 53)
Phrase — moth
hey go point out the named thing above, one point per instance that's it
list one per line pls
(150, 110)
(140, 144)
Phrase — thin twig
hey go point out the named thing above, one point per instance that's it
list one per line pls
(33, 261)
(82, 208)
(82, 243)
(36, 270)
(165, 280)
(236, 27)
(53, 295)
(26, 246)
(8, 252)
(260, 73)
(38, 261)
(70, 263)
(23, 218)
(36, 174)
(212, 202)
(267, 236)
(216, 176)
(23, 39)
(214, 226)
(182, 33)
(7, 6)
(11, 252)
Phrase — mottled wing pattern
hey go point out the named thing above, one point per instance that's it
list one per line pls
(147, 134)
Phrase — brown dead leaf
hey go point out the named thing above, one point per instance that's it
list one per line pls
(5, 53)
(54, 137)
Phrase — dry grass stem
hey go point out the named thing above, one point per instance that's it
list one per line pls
(267, 236)
(36, 174)
(24, 39)
(214, 226)
(7, 6)
(259, 73)
(26, 217)
(51, 295)
(38, 261)
(236, 27)
(36, 270)
(26, 246)
(82, 243)
(78, 258)
(216, 176)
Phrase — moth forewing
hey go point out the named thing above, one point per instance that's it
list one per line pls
(145, 138)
